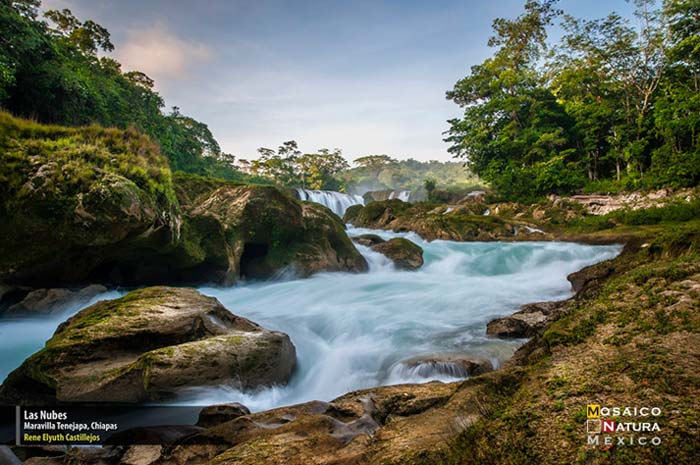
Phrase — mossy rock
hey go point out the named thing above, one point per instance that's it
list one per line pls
(260, 231)
(147, 346)
(464, 222)
(95, 205)
(368, 240)
(405, 254)
(76, 201)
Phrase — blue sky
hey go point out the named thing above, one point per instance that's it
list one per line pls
(364, 76)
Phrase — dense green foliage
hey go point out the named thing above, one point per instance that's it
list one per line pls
(51, 71)
(609, 107)
(288, 166)
(379, 172)
(73, 160)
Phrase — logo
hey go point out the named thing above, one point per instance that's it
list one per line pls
(593, 426)
(593, 411)
(625, 429)
(608, 426)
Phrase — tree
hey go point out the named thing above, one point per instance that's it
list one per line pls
(677, 110)
(513, 127)
(88, 37)
(319, 170)
(374, 163)
(51, 72)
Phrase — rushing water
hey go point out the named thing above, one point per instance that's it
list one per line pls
(401, 195)
(20, 337)
(352, 331)
(337, 202)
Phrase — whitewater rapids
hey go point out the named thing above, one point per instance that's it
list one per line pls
(352, 330)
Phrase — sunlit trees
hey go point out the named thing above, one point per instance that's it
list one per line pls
(611, 106)
(51, 71)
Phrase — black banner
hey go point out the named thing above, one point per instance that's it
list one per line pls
(97, 425)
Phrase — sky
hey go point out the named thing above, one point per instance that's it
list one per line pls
(368, 77)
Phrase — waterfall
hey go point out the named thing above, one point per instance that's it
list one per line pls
(402, 195)
(337, 202)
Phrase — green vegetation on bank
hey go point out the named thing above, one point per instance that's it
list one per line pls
(74, 159)
(675, 212)
(608, 108)
(51, 71)
(631, 340)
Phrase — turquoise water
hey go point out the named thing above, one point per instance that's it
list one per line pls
(352, 331)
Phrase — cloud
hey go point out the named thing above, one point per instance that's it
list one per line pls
(161, 54)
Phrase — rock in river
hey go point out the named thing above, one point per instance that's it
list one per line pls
(405, 254)
(455, 365)
(528, 321)
(147, 346)
(368, 240)
(55, 300)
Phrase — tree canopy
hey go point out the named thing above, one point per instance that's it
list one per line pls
(609, 106)
(51, 71)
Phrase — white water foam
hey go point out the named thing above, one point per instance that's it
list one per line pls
(401, 195)
(337, 202)
(352, 331)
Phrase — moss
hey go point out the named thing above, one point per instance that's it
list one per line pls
(627, 343)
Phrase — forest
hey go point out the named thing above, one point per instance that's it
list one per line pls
(614, 105)
(55, 69)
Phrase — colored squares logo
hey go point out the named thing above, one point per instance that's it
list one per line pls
(593, 426)
(593, 411)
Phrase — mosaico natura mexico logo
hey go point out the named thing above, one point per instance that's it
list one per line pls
(622, 426)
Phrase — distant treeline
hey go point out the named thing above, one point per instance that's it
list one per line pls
(327, 169)
(608, 107)
(377, 172)
(50, 71)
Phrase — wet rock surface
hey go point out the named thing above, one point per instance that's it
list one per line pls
(405, 254)
(528, 321)
(148, 345)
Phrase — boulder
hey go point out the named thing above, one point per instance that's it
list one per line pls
(368, 240)
(217, 414)
(56, 300)
(528, 321)
(147, 346)
(81, 201)
(256, 232)
(116, 214)
(590, 275)
(465, 222)
(153, 435)
(455, 365)
(405, 254)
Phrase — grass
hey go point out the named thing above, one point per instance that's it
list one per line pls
(65, 161)
(633, 342)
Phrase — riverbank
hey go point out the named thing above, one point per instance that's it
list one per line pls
(630, 337)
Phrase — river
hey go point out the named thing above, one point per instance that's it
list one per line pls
(352, 330)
